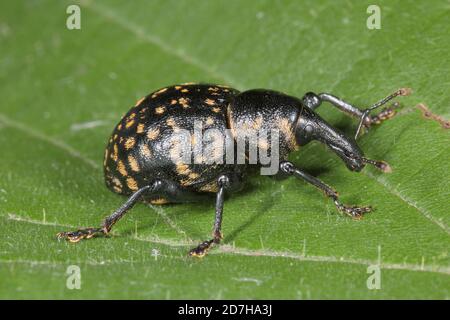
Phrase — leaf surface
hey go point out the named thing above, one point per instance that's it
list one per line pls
(63, 91)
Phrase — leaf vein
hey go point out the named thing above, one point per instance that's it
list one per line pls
(142, 34)
(226, 249)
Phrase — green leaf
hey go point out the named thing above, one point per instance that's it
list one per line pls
(63, 91)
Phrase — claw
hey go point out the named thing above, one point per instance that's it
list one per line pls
(356, 212)
(385, 114)
(353, 211)
(380, 165)
(202, 249)
(75, 236)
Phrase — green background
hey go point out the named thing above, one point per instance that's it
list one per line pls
(62, 91)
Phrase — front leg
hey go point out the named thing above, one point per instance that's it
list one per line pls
(201, 250)
(352, 211)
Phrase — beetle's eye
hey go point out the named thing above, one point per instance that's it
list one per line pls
(349, 154)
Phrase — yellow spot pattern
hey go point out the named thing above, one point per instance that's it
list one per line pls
(115, 154)
(171, 122)
(121, 168)
(210, 102)
(160, 110)
(116, 182)
(263, 144)
(159, 201)
(183, 169)
(129, 143)
(159, 92)
(139, 101)
(184, 102)
(132, 184)
(146, 151)
(133, 163)
(153, 133)
(129, 123)
(286, 130)
(140, 128)
(105, 157)
(210, 187)
(193, 175)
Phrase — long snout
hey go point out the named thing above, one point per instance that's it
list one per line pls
(345, 147)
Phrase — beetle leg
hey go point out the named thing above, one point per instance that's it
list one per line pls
(75, 236)
(352, 211)
(313, 101)
(87, 233)
(201, 250)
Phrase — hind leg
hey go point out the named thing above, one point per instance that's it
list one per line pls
(158, 189)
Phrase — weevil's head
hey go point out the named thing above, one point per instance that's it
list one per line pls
(288, 113)
(310, 126)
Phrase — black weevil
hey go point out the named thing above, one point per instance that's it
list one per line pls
(139, 158)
